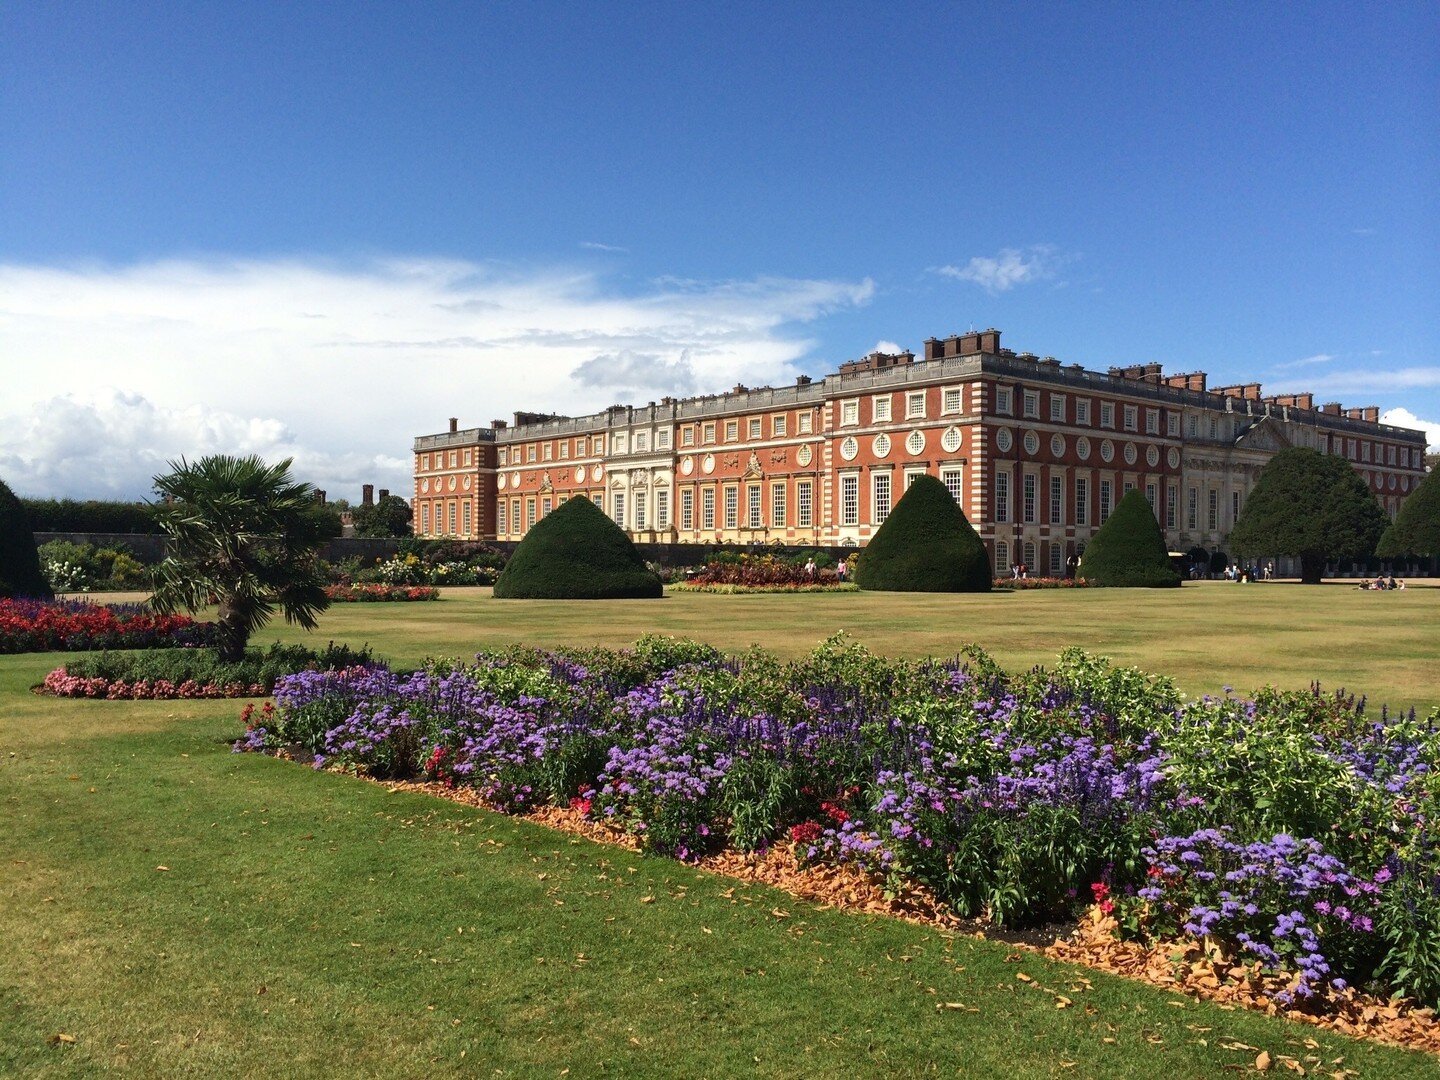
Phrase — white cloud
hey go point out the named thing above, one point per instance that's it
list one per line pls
(1307, 361)
(595, 245)
(111, 371)
(889, 348)
(1009, 268)
(1371, 382)
(1406, 419)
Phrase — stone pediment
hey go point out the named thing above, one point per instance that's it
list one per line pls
(1266, 435)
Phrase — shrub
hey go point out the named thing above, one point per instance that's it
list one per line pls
(577, 553)
(1129, 550)
(19, 562)
(925, 545)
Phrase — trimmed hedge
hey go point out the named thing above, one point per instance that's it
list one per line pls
(1129, 550)
(577, 553)
(91, 516)
(19, 561)
(925, 545)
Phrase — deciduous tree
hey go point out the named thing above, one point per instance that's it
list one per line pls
(1310, 506)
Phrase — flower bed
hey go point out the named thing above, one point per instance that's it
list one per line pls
(733, 590)
(74, 625)
(1026, 583)
(770, 572)
(380, 594)
(192, 673)
(1293, 833)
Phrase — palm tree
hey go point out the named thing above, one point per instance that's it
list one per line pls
(242, 534)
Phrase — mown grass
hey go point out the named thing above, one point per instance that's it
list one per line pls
(312, 924)
(1206, 636)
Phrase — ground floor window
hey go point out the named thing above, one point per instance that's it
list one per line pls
(1002, 559)
(804, 502)
(880, 500)
(850, 500)
(687, 510)
(954, 481)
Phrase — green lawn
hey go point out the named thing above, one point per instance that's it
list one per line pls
(312, 924)
(1206, 636)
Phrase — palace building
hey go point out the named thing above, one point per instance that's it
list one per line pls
(1035, 452)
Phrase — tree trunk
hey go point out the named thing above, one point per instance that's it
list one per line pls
(1311, 568)
(232, 636)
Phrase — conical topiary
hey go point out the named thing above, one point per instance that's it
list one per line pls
(1129, 550)
(576, 553)
(1416, 528)
(925, 545)
(19, 562)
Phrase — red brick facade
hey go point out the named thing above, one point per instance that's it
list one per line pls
(1035, 453)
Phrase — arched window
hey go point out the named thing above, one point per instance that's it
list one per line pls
(1002, 559)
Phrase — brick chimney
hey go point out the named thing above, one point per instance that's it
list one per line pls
(367, 495)
(454, 424)
(384, 492)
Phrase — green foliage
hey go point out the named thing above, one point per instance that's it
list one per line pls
(243, 534)
(1310, 506)
(925, 545)
(1129, 549)
(388, 516)
(91, 516)
(576, 553)
(71, 567)
(1416, 528)
(19, 563)
(261, 666)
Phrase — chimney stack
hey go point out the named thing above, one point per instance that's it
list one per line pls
(367, 495)
(384, 492)
(454, 425)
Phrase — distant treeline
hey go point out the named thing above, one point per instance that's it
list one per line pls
(90, 516)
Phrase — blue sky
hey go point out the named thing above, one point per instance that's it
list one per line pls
(319, 230)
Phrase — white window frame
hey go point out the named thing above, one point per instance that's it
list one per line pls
(1057, 408)
(880, 495)
(778, 508)
(880, 409)
(952, 400)
(1082, 500)
(1030, 404)
(1004, 405)
(914, 404)
(849, 499)
(1131, 417)
(1002, 496)
(804, 504)
(1107, 414)
(1057, 498)
(730, 505)
(707, 509)
(687, 510)
(850, 412)
(1082, 412)
(953, 477)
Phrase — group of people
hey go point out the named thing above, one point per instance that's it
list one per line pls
(1383, 583)
(1246, 574)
